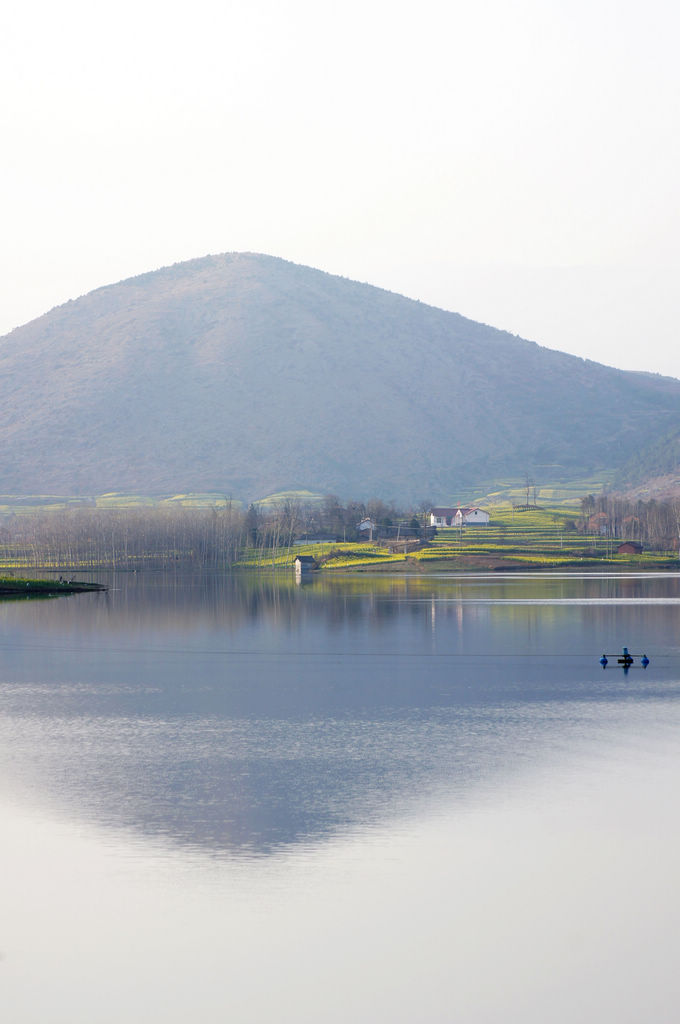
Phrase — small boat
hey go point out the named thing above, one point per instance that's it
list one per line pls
(626, 659)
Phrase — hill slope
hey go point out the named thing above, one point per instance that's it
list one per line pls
(246, 374)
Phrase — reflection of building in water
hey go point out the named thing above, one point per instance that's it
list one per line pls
(460, 610)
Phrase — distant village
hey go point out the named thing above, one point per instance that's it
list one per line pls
(437, 517)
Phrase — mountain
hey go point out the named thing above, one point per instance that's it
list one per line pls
(653, 471)
(246, 374)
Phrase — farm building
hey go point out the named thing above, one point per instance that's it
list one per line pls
(473, 516)
(459, 516)
(366, 528)
(304, 564)
(629, 547)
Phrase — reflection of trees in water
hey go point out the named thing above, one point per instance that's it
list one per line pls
(240, 738)
(190, 601)
(186, 602)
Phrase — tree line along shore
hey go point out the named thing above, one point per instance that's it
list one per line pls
(231, 538)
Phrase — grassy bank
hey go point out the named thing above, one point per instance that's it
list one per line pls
(13, 585)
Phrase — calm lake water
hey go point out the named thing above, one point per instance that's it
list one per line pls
(364, 798)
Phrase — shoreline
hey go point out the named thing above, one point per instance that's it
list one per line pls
(11, 586)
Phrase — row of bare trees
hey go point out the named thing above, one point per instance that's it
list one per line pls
(123, 538)
(329, 519)
(656, 524)
(158, 536)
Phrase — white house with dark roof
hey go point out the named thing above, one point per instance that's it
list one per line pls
(442, 516)
(366, 527)
(473, 516)
(460, 516)
(304, 564)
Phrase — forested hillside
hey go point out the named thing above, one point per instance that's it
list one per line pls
(653, 469)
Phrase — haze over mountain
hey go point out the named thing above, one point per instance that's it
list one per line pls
(246, 374)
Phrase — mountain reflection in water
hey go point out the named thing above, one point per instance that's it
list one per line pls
(245, 713)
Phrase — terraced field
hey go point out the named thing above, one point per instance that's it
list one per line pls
(542, 538)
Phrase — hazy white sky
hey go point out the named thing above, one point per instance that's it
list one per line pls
(516, 161)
